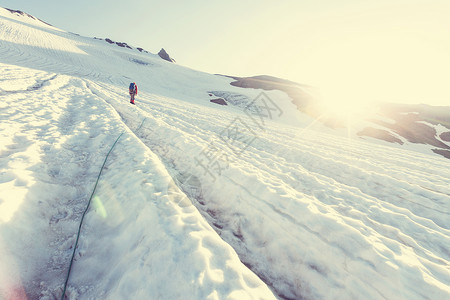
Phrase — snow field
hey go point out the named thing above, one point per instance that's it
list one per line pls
(370, 218)
(312, 214)
(136, 240)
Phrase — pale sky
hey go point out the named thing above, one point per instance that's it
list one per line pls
(359, 50)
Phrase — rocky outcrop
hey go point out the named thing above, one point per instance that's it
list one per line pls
(219, 101)
(164, 55)
(414, 123)
(18, 12)
(445, 136)
(379, 134)
(120, 44)
(123, 45)
(142, 50)
(444, 153)
(305, 97)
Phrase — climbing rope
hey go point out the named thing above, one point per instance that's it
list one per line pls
(82, 218)
(141, 125)
(87, 208)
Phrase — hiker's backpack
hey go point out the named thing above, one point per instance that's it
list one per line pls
(131, 88)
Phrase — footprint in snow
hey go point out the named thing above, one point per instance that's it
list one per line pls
(59, 216)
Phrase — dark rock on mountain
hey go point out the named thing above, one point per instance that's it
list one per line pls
(303, 96)
(444, 153)
(18, 12)
(141, 50)
(120, 44)
(431, 114)
(380, 134)
(164, 55)
(307, 98)
(445, 136)
(123, 45)
(220, 101)
(410, 127)
(415, 123)
(234, 99)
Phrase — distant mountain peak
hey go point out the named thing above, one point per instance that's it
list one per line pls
(21, 13)
(164, 55)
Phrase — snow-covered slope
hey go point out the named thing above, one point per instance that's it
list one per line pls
(197, 198)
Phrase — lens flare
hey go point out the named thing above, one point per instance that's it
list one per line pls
(99, 207)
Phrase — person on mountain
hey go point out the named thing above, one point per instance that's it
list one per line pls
(133, 91)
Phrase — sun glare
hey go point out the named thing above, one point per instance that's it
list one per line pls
(343, 103)
(11, 200)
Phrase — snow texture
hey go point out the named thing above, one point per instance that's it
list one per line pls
(197, 200)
